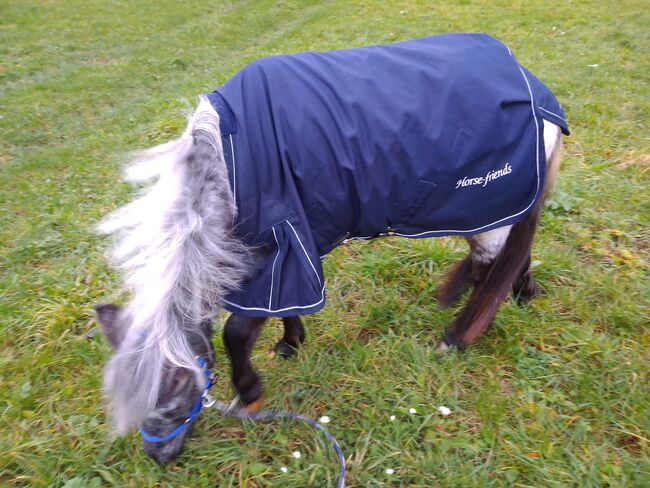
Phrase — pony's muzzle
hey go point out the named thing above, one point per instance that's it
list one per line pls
(165, 452)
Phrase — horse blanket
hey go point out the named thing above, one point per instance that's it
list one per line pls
(429, 137)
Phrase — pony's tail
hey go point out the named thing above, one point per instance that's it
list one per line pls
(482, 305)
(179, 258)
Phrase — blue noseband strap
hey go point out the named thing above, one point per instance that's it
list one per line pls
(196, 409)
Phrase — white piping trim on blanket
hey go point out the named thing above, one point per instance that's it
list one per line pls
(432, 232)
(234, 179)
(273, 268)
(296, 307)
(234, 184)
(551, 113)
(305, 251)
(301, 307)
(532, 107)
(502, 43)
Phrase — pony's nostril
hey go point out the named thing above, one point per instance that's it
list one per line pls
(156, 457)
(163, 453)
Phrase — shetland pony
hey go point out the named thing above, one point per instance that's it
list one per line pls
(182, 254)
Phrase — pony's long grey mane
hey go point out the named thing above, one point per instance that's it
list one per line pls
(179, 258)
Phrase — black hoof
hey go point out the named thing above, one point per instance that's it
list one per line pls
(285, 350)
(249, 388)
(451, 342)
(526, 295)
(251, 395)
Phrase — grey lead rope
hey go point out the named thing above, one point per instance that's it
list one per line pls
(231, 410)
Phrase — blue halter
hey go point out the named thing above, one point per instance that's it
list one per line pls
(196, 409)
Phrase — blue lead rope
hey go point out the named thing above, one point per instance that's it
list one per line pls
(265, 415)
(260, 416)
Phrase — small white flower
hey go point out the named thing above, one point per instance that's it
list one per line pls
(324, 419)
(284, 469)
(444, 411)
(390, 471)
(593, 65)
(412, 411)
(392, 417)
(296, 454)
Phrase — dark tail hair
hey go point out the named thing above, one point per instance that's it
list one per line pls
(482, 306)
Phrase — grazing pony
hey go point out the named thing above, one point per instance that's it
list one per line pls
(446, 135)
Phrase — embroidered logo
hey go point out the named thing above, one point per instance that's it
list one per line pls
(484, 180)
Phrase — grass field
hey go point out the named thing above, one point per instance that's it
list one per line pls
(556, 394)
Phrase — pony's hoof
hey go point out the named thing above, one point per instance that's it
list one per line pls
(284, 350)
(528, 294)
(255, 406)
(443, 348)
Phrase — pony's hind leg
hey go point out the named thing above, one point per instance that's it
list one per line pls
(239, 335)
(472, 270)
(524, 288)
(294, 336)
(498, 258)
(457, 282)
(501, 260)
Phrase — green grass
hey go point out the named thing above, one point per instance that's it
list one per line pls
(555, 394)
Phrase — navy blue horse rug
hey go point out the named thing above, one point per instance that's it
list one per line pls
(429, 137)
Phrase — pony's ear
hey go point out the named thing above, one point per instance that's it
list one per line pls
(108, 316)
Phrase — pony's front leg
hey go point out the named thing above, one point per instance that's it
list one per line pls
(240, 335)
(294, 336)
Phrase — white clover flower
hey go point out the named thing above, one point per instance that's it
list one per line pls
(444, 410)
(412, 411)
(392, 417)
(389, 471)
(284, 469)
(296, 454)
(324, 419)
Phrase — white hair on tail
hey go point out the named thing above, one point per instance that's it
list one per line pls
(178, 256)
